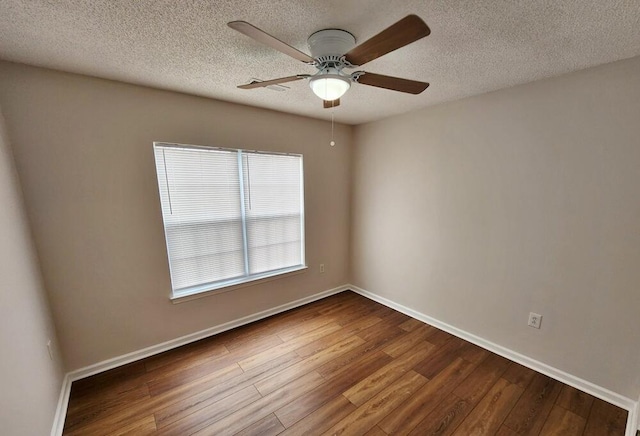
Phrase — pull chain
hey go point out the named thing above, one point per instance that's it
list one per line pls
(332, 143)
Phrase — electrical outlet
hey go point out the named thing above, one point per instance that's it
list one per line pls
(50, 350)
(322, 267)
(535, 319)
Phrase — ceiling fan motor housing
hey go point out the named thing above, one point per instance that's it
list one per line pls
(330, 43)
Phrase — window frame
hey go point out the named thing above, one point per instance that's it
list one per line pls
(212, 288)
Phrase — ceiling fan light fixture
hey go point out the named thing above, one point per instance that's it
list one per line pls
(329, 87)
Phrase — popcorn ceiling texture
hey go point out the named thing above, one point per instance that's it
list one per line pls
(185, 45)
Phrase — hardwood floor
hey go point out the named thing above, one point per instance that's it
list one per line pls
(343, 365)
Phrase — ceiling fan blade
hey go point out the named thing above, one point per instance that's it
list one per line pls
(327, 104)
(259, 35)
(411, 28)
(392, 83)
(258, 84)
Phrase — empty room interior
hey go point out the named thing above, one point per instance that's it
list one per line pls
(320, 217)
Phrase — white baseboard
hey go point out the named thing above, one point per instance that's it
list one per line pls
(634, 420)
(557, 374)
(61, 411)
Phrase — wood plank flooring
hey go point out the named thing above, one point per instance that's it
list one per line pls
(343, 365)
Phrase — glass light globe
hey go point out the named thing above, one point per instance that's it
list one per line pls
(329, 86)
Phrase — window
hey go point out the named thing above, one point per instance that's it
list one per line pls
(230, 216)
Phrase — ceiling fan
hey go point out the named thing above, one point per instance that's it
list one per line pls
(334, 50)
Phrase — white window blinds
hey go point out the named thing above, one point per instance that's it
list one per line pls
(230, 216)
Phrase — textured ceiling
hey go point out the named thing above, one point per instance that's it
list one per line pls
(185, 45)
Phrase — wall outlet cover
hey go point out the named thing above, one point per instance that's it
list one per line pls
(535, 319)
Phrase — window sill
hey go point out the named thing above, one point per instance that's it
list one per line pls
(194, 295)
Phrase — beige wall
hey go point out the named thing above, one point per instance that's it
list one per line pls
(527, 199)
(474, 212)
(30, 381)
(83, 149)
